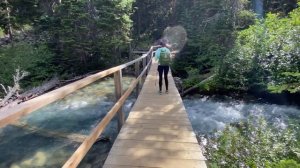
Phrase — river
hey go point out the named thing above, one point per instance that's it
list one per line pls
(79, 113)
(209, 114)
(32, 145)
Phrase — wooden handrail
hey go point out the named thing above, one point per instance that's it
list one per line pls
(81, 151)
(18, 111)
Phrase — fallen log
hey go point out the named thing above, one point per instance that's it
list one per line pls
(46, 86)
(13, 91)
(63, 82)
(197, 85)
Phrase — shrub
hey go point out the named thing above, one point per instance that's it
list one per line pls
(253, 143)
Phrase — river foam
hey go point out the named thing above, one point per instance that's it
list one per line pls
(208, 114)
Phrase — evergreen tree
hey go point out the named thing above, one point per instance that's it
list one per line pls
(87, 34)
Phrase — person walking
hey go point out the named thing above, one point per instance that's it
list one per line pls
(163, 56)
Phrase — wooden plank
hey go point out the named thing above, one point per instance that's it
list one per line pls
(167, 126)
(157, 137)
(150, 121)
(157, 131)
(153, 76)
(157, 104)
(157, 153)
(154, 162)
(120, 166)
(161, 118)
(156, 99)
(156, 145)
(172, 108)
(152, 93)
(154, 90)
(150, 112)
(118, 94)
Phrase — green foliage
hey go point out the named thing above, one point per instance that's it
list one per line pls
(90, 35)
(193, 78)
(289, 81)
(1, 33)
(87, 35)
(253, 144)
(245, 19)
(34, 59)
(211, 27)
(151, 18)
(282, 7)
(210, 85)
(17, 13)
(245, 57)
(265, 55)
(285, 164)
(66, 37)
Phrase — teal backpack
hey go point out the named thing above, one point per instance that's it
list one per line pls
(164, 58)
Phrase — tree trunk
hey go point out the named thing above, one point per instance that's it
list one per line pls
(139, 22)
(9, 25)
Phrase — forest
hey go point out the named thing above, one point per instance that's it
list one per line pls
(65, 39)
(232, 47)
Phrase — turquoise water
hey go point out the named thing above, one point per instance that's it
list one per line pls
(30, 145)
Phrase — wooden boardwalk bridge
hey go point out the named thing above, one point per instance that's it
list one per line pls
(156, 134)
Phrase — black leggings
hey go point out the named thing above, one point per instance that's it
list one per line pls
(163, 69)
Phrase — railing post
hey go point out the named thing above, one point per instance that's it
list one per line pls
(144, 66)
(144, 62)
(150, 59)
(137, 73)
(119, 93)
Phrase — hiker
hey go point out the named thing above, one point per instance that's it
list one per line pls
(163, 56)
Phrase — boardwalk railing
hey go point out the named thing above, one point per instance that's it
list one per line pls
(14, 113)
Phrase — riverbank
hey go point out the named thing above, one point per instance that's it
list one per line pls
(212, 113)
(225, 124)
(284, 98)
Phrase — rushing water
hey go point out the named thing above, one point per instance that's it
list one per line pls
(27, 144)
(22, 146)
(209, 114)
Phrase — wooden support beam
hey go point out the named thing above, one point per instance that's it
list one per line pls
(144, 62)
(144, 66)
(53, 134)
(118, 94)
(150, 56)
(137, 74)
